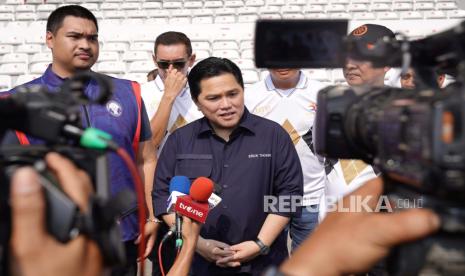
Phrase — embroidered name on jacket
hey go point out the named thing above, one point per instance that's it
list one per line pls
(260, 155)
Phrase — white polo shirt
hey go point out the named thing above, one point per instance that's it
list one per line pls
(183, 112)
(295, 111)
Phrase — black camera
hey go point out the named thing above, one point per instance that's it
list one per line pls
(414, 137)
(55, 117)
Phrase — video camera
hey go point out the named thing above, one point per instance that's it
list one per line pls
(55, 117)
(414, 137)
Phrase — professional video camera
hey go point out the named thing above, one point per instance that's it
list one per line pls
(414, 137)
(55, 117)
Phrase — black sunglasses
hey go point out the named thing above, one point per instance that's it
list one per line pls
(176, 64)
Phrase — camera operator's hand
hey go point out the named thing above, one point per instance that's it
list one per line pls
(151, 229)
(33, 251)
(190, 235)
(352, 242)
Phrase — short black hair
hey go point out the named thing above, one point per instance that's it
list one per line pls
(211, 67)
(172, 38)
(56, 18)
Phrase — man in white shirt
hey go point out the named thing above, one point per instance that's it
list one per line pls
(288, 97)
(169, 106)
(167, 98)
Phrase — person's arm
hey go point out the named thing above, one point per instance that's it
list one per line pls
(352, 242)
(33, 251)
(174, 83)
(190, 234)
(146, 161)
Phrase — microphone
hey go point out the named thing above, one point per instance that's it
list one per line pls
(179, 186)
(195, 205)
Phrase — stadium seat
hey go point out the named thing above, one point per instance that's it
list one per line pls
(130, 6)
(5, 83)
(193, 4)
(115, 46)
(363, 16)
(38, 68)
(225, 45)
(436, 15)
(41, 57)
(245, 64)
(247, 18)
(337, 76)
(201, 54)
(231, 54)
(136, 55)
(318, 74)
(141, 66)
(6, 48)
(255, 3)
(22, 79)
(213, 4)
(7, 9)
(108, 56)
(29, 48)
(248, 54)
(139, 77)
(250, 76)
(13, 68)
(25, 8)
(14, 58)
(246, 44)
(111, 67)
(202, 20)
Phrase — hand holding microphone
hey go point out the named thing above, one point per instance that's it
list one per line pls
(179, 186)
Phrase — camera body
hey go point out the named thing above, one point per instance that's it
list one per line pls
(55, 117)
(414, 137)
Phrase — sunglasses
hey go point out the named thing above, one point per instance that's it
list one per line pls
(176, 64)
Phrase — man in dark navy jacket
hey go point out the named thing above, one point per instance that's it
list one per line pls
(72, 36)
(249, 158)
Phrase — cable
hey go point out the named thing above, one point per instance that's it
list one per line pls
(160, 260)
(140, 200)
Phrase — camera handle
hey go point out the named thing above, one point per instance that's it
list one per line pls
(442, 253)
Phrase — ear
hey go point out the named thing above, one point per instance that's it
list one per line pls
(49, 40)
(192, 60)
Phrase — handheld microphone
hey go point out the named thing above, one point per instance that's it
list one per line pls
(195, 205)
(179, 186)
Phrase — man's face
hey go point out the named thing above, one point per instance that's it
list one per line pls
(286, 74)
(74, 46)
(221, 101)
(170, 57)
(359, 73)
(408, 80)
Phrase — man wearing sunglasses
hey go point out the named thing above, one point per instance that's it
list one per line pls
(169, 106)
(167, 98)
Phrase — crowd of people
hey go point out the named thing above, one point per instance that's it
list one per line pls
(201, 121)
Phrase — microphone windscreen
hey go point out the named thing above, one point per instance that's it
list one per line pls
(180, 183)
(201, 189)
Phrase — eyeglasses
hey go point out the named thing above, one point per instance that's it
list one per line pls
(179, 64)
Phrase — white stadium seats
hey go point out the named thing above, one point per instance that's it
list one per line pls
(216, 27)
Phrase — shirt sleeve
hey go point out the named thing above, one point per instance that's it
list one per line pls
(164, 172)
(145, 130)
(288, 178)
